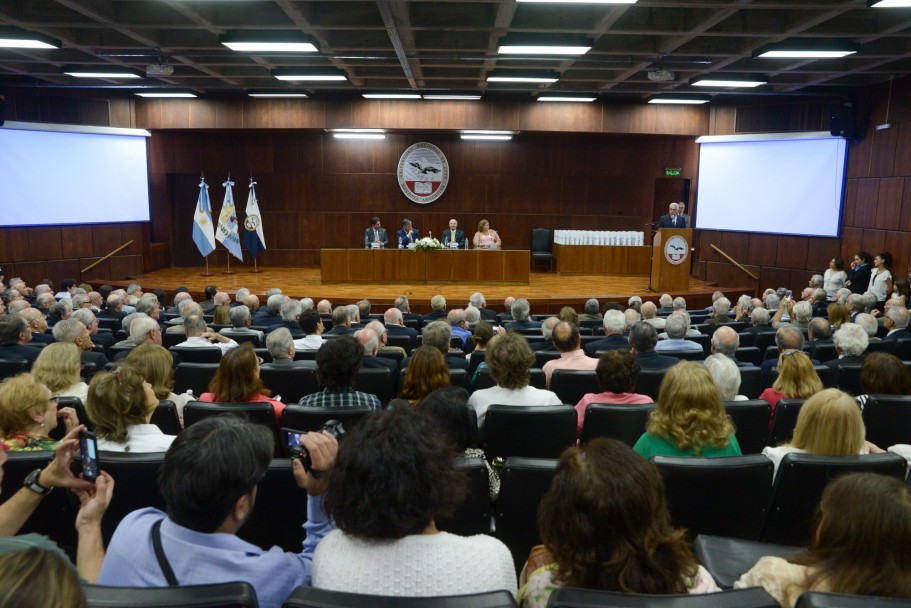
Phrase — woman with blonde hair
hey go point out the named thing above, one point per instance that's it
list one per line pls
(28, 413)
(569, 314)
(58, 367)
(689, 419)
(426, 372)
(155, 363)
(837, 314)
(34, 577)
(796, 379)
(485, 237)
(222, 315)
(830, 424)
(121, 404)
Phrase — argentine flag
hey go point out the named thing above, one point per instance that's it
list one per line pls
(253, 225)
(227, 223)
(203, 230)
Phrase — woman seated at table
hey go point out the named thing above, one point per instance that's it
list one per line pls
(485, 237)
(619, 537)
(58, 367)
(28, 413)
(860, 546)
(121, 403)
(689, 419)
(237, 381)
(617, 373)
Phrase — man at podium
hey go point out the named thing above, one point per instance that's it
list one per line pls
(671, 220)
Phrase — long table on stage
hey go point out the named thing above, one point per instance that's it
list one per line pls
(406, 266)
(601, 259)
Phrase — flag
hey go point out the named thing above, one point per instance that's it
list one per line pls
(253, 225)
(227, 223)
(203, 231)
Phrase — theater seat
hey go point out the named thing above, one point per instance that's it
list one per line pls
(194, 377)
(291, 383)
(473, 515)
(523, 481)
(309, 597)
(223, 595)
(618, 421)
(571, 385)
(888, 419)
(280, 512)
(260, 412)
(197, 355)
(569, 597)
(784, 420)
(533, 431)
(727, 559)
(536, 379)
(751, 419)
(379, 382)
(165, 417)
(135, 475)
(817, 599)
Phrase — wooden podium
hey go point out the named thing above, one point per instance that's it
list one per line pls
(671, 259)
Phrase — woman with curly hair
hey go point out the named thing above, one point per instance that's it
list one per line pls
(860, 546)
(619, 537)
(617, 373)
(690, 419)
(237, 381)
(426, 373)
(796, 379)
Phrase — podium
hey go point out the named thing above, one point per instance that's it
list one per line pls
(671, 260)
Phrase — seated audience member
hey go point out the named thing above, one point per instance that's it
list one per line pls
(337, 363)
(448, 408)
(635, 303)
(395, 326)
(568, 342)
(902, 292)
(800, 314)
(480, 337)
(57, 312)
(720, 309)
(642, 341)
(506, 316)
(520, 314)
(241, 320)
(14, 339)
(35, 576)
(208, 498)
(28, 413)
(883, 374)
(787, 339)
(676, 326)
(854, 305)
(860, 546)
(478, 301)
(759, 319)
(208, 301)
(427, 372)
(438, 308)
(547, 333)
(689, 419)
(222, 315)
(383, 345)
(37, 324)
(199, 336)
(592, 310)
(156, 365)
(341, 322)
(290, 312)
(615, 326)
(387, 542)
(370, 342)
(620, 536)
(459, 322)
(509, 359)
(103, 338)
(650, 315)
(829, 424)
(270, 316)
(58, 367)
(438, 334)
(324, 307)
(113, 308)
(237, 381)
(850, 343)
(617, 373)
(869, 324)
(896, 322)
(726, 375)
(312, 325)
(121, 404)
(796, 379)
(819, 331)
(74, 332)
(568, 314)
(281, 347)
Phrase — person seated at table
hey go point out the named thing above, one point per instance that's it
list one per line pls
(860, 546)
(407, 235)
(454, 235)
(375, 234)
(486, 237)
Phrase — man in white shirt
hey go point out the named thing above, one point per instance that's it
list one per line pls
(312, 325)
(199, 336)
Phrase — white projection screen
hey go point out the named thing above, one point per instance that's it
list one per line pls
(779, 183)
(68, 174)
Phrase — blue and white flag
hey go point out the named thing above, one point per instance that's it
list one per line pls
(227, 223)
(203, 230)
(253, 224)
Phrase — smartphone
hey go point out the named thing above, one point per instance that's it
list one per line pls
(88, 448)
(788, 294)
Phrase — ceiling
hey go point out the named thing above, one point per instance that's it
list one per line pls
(440, 45)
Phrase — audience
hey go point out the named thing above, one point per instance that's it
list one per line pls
(617, 373)
(426, 373)
(237, 381)
(796, 379)
(726, 374)
(58, 367)
(36, 577)
(337, 363)
(28, 414)
(883, 374)
(156, 365)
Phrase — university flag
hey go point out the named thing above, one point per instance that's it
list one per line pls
(203, 230)
(227, 223)
(253, 224)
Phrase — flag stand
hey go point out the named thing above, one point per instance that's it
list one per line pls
(228, 271)
(255, 269)
(207, 273)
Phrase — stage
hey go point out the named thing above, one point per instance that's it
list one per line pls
(547, 292)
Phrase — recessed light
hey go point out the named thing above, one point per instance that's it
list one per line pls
(391, 95)
(679, 100)
(164, 93)
(359, 135)
(484, 134)
(269, 42)
(101, 72)
(452, 96)
(721, 82)
(357, 130)
(571, 99)
(16, 38)
(312, 74)
(805, 48)
(276, 93)
(520, 76)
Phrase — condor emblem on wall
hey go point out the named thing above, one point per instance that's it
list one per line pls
(676, 250)
(423, 173)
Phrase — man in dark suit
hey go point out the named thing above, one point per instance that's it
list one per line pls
(208, 302)
(404, 306)
(407, 235)
(478, 300)
(454, 235)
(439, 335)
(819, 331)
(99, 338)
(850, 343)
(788, 339)
(15, 336)
(859, 276)
(681, 212)
(271, 314)
(375, 234)
(520, 311)
(725, 342)
(370, 341)
(546, 342)
(113, 308)
(37, 324)
(643, 338)
(438, 305)
(290, 312)
(760, 322)
(341, 322)
(671, 220)
(74, 332)
(896, 321)
(614, 327)
(395, 326)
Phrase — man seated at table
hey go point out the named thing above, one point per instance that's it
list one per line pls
(408, 235)
(454, 235)
(375, 234)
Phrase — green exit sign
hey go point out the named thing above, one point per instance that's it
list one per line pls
(672, 171)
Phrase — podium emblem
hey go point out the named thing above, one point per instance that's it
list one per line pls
(676, 250)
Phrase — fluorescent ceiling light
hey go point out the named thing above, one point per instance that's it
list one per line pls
(269, 42)
(359, 135)
(488, 137)
(498, 76)
(276, 93)
(581, 1)
(288, 47)
(101, 72)
(357, 130)
(484, 132)
(709, 82)
(15, 38)
(803, 48)
(311, 77)
(569, 99)
(887, 3)
(175, 93)
(805, 54)
(313, 74)
(542, 50)
(679, 100)
(391, 95)
(452, 96)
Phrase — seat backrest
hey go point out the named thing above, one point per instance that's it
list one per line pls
(571, 597)
(477, 357)
(280, 512)
(540, 239)
(194, 377)
(400, 340)
(377, 382)
(784, 420)
(55, 515)
(535, 378)
(523, 481)
(800, 482)
(764, 340)
(727, 559)
(473, 515)
(137, 485)
(310, 597)
(881, 346)
(221, 595)
(242, 338)
(751, 385)
(307, 418)
(749, 354)
(533, 431)
(165, 417)
(12, 367)
(847, 377)
(649, 382)
(571, 385)
(291, 383)
(888, 419)
(169, 339)
(618, 421)
(75, 403)
(748, 338)
(824, 352)
(702, 340)
(817, 599)
(903, 349)
(258, 412)
(719, 496)
(458, 377)
(543, 356)
(688, 355)
(197, 355)
(751, 419)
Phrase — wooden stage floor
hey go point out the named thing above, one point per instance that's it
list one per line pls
(547, 292)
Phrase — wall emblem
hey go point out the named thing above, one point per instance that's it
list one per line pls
(423, 173)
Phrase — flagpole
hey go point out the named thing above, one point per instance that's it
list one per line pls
(207, 273)
(255, 269)
(228, 271)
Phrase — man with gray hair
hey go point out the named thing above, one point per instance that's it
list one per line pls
(841, 295)
(14, 339)
(44, 301)
(239, 296)
(649, 314)
(788, 339)
(726, 377)
(281, 347)
(506, 316)
(855, 305)
(395, 326)
(252, 302)
(799, 314)
(438, 334)
(819, 331)
(642, 341)
(478, 301)
(37, 325)
(547, 331)
(105, 339)
(290, 314)
(850, 343)
(241, 320)
(382, 334)
(370, 342)
(187, 308)
(896, 321)
(472, 316)
(143, 330)
(671, 220)
(632, 317)
(74, 332)
(134, 292)
(676, 327)
(404, 306)
(760, 322)
(459, 322)
(690, 330)
(520, 314)
(199, 336)
(592, 311)
(725, 341)
(341, 322)
(438, 305)
(306, 304)
(271, 315)
(720, 309)
(679, 303)
(113, 308)
(666, 302)
(354, 316)
(324, 307)
(614, 327)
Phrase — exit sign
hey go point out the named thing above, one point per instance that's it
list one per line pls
(672, 171)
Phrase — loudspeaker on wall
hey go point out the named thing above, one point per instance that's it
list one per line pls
(842, 119)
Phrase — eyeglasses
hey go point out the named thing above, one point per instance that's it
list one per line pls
(55, 399)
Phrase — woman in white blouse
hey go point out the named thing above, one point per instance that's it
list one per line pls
(834, 277)
(881, 278)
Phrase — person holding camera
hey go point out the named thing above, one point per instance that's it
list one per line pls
(208, 481)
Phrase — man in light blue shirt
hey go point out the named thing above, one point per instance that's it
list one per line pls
(676, 327)
(208, 480)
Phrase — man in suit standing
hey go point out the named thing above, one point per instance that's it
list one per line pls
(375, 234)
(407, 235)
(454, 235)
(681, 208)
(671, 220)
